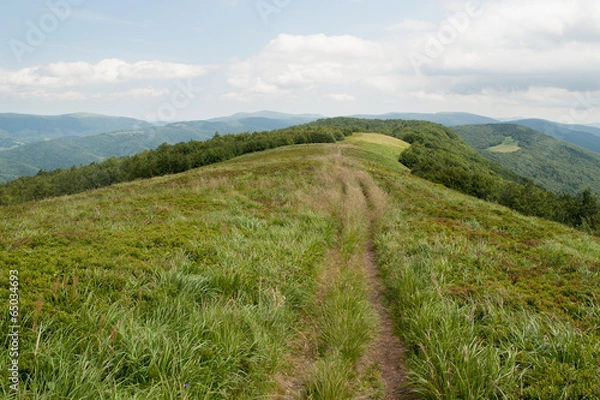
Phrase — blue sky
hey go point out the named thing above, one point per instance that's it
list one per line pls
(184, 59)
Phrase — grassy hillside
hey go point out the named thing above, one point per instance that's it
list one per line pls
(554, 164)
(246, 279)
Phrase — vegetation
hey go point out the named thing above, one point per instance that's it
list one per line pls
(79, 148)
(439, 155)
(245, 280)
(509, 145)
(199, 285)
(490, 304)
(556, 165)
(580, 135)
(436, 153)
(167, 159)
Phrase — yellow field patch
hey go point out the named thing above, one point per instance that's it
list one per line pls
(377, 138)
(508, 146)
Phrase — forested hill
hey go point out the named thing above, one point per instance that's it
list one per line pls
(26, 128)
(554, 164)
(436, 153)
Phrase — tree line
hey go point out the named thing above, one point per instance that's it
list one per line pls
(166, 159)
(436, 154)
(439, 155)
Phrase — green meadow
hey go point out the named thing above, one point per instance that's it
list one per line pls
(246, 279)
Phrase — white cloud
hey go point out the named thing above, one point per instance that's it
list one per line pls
(507, 54)
(411, 26)
(341, 97)
(109, 71)
(295, 62)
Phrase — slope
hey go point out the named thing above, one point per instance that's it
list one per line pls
(247, 279)
(202, 285)
(584, 136)
(554, 164)
(25, 128)
(10, 170)
(67, 152)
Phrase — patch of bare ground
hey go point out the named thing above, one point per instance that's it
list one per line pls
(387, 351)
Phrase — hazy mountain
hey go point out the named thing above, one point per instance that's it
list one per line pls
(584, 136)
(552, 163)
(26, 128)
(448, 119)
(10, 170)
(273, 115)
(66, 152)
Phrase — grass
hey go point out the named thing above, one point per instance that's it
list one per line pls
(381, 145)
(199, 285)
(489, 303)
(509, 145)
(245, 280)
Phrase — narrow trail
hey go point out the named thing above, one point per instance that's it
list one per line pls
(387, 350)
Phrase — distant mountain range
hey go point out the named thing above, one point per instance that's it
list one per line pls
(29, 143)
(448, 119)
(26, 159)
(17, 129)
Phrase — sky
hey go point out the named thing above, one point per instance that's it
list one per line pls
(198, 59)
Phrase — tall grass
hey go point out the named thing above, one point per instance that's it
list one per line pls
(184, 287)
(480, 298)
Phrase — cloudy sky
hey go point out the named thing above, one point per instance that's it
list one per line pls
(191, 59)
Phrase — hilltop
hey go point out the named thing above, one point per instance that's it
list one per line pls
(252, 277)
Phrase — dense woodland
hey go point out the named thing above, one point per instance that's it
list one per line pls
(436, 154)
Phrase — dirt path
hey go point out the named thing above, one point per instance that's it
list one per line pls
(387, 351)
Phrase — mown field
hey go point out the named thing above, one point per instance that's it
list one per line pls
(245, 279)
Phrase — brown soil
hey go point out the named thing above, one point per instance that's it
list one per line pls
(387, 351)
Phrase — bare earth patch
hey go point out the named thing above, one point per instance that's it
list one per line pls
(387, 351)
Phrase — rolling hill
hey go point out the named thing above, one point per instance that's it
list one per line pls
(444, 118)
(265, 276)
(68, 152)
(554, 164)
(25, 128)
(584, 136)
